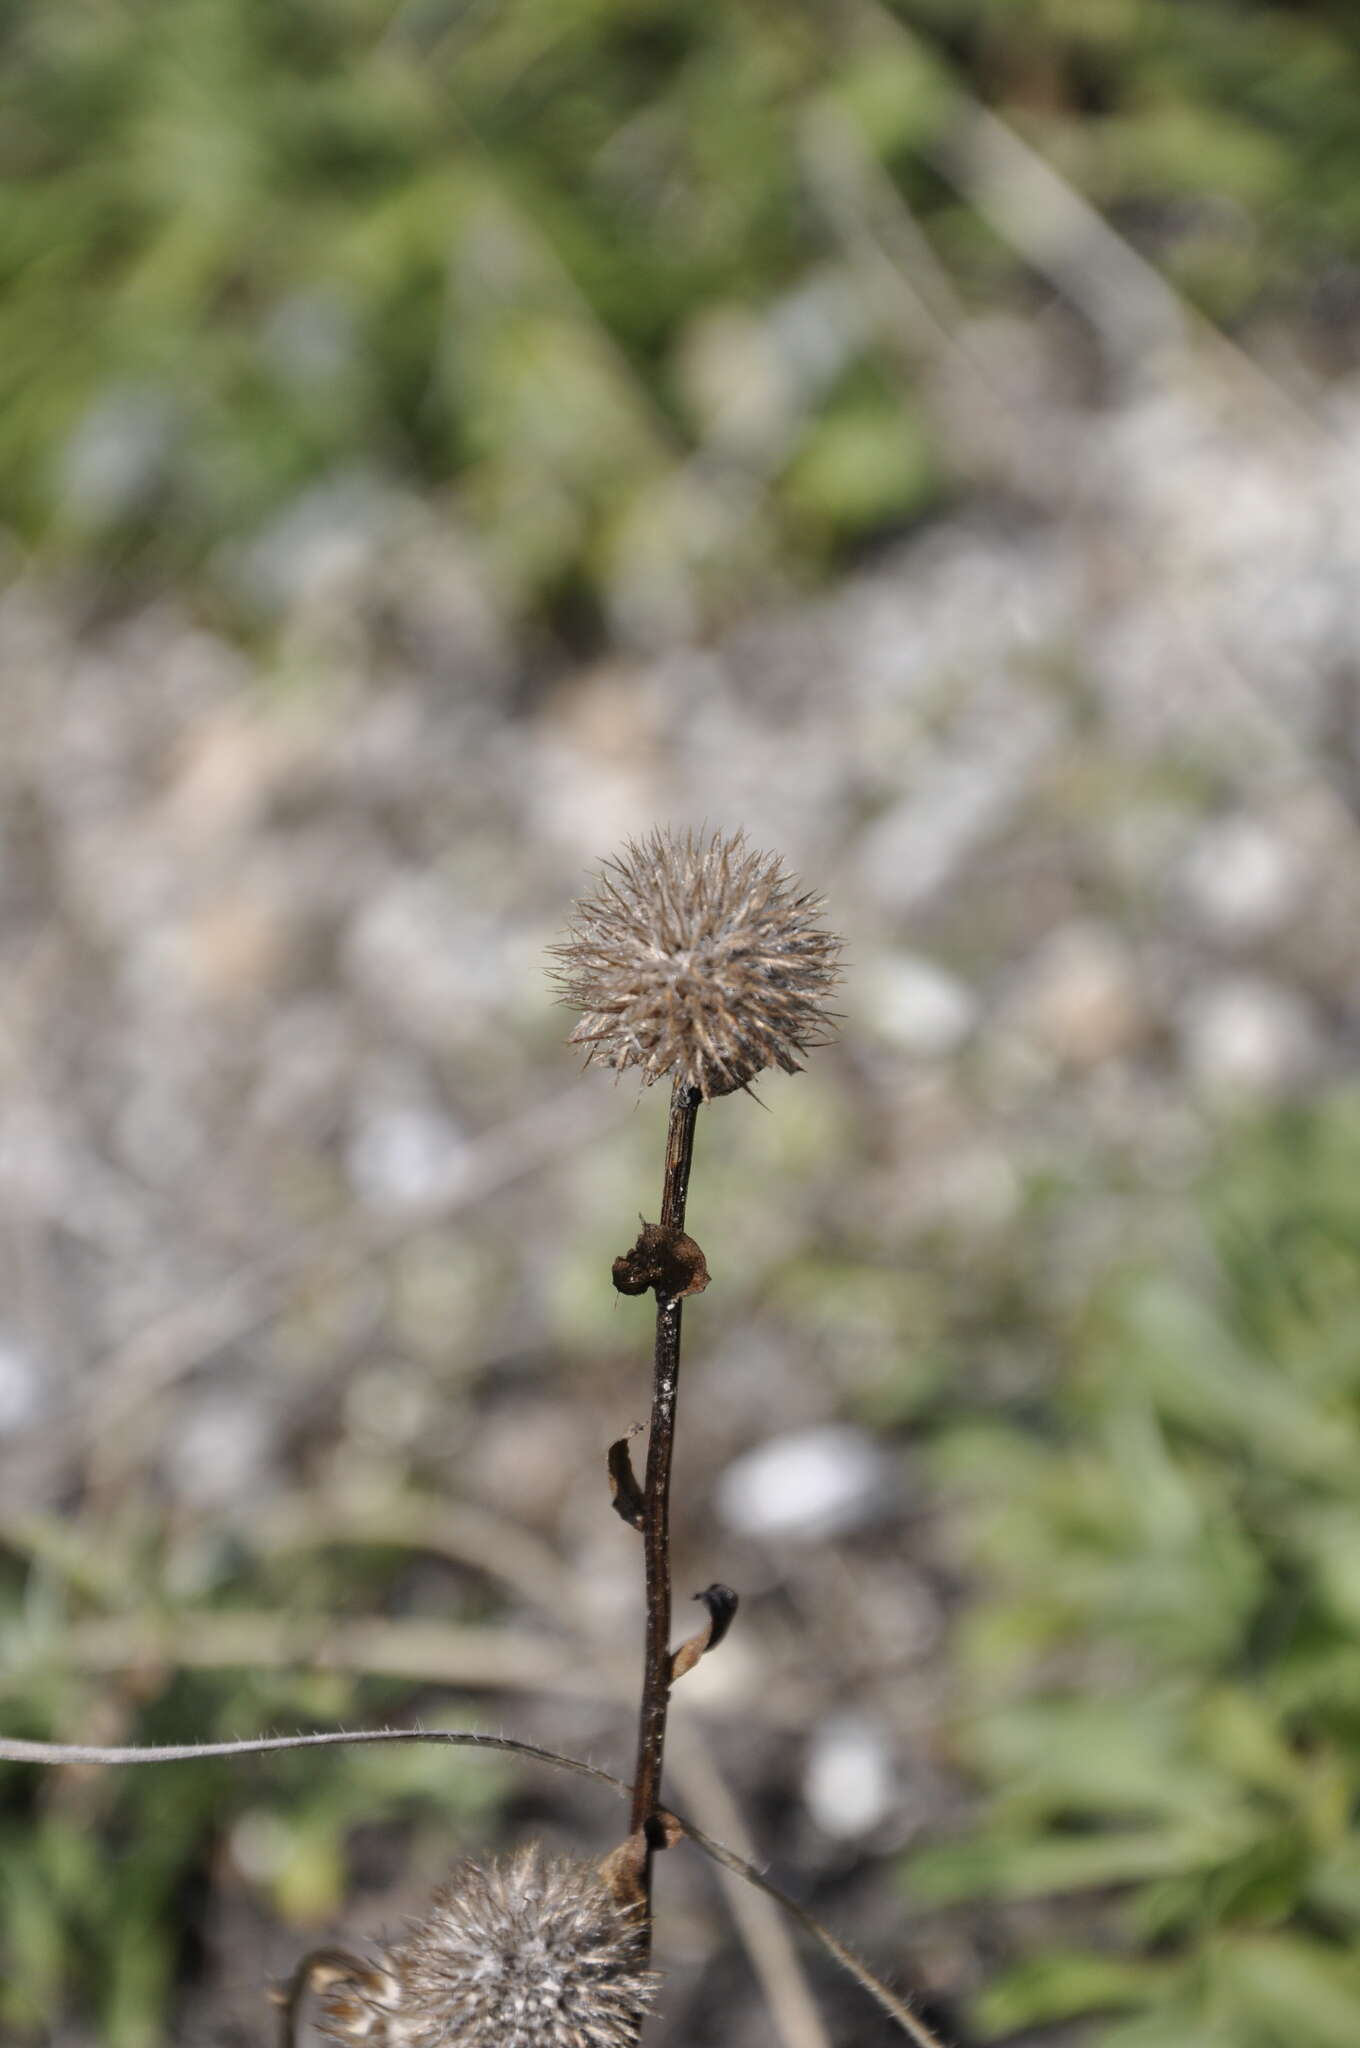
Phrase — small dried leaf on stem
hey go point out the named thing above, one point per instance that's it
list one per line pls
(664, 1259)
(625, 1494)
(721, 1603)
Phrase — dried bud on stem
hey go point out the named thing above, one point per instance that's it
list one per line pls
(699, 958)
(536, 1952)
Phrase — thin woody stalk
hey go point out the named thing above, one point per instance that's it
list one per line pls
(700, 959)
(656, 1671)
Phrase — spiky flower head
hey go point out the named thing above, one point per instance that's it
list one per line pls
(700, 958)
(533, 1952)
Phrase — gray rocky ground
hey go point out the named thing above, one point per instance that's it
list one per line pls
(305, 1212)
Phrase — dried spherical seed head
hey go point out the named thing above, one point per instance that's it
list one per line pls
(535, 1952)
(700, 958)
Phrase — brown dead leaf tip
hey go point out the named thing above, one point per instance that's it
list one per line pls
(722, 1604)
(623, 1873)
(698, 957)
(665, 1259)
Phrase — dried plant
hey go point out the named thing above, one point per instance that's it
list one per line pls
(699, 958)
(528, 1953)
(323, 1970)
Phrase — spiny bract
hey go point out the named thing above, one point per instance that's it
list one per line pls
(701, 958)
(530, 1953)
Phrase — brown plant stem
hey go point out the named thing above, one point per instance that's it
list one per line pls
(656, 1672)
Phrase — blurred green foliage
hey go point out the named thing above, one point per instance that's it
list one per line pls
(99, 1869)
(575, 264)
(1161, 1662)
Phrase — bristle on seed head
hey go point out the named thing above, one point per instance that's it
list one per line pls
(700, 958)
(534, 1952)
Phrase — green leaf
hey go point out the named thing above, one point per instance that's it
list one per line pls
(1101, 1757)
(1293, 1993)
(1064, 1985)
(1018, 1867)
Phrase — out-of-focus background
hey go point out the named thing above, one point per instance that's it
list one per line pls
(439, 439)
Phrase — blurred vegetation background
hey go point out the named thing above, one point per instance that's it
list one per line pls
(604, 278)
(435, 440)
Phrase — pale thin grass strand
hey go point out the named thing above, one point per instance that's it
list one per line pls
(16, 1749)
